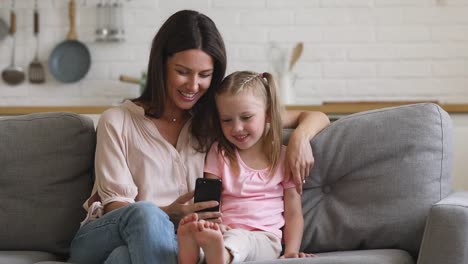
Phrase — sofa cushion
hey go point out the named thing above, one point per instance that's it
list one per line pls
(377, 256)
(46, 162)
(25, 257)
(376, 175)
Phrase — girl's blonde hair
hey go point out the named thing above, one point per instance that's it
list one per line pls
(264, 86)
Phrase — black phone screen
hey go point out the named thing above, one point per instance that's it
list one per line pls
(208, 190)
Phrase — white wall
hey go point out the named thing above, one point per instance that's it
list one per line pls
(354, 49)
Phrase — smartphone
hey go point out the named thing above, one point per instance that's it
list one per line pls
(208, 190)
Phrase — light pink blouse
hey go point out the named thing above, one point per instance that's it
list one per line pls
(135, 163)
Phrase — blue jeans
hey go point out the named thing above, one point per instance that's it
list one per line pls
(138, 233)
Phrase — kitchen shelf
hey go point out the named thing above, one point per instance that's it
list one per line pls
(336, 108)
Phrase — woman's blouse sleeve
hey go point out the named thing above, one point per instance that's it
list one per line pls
(114, 182)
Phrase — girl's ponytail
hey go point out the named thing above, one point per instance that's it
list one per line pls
(274, 110)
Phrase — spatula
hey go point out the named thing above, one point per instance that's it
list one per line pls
(36, 70)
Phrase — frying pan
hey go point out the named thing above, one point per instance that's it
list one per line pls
(70, 60)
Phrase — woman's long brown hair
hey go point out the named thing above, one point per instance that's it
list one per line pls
(184, 30)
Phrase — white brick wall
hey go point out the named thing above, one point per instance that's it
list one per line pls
(354, 49)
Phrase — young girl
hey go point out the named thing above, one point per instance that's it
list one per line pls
(258, 197)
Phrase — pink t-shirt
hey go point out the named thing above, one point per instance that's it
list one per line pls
(252, 200)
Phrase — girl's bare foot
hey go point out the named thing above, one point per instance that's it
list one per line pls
(189, 251)
(210, 239)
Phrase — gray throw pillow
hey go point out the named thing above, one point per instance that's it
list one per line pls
(376, 175)
(46, 165)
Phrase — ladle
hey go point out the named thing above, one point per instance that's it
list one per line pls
(13, 75)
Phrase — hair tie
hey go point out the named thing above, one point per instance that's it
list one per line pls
(262, 75)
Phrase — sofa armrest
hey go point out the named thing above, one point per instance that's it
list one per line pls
(445, 237)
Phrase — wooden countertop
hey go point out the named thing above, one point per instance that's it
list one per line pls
(21, 110)
(328, 108)
(353, 107)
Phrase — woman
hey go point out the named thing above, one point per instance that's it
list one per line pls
(147, 152)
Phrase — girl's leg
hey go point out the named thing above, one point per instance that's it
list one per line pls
(189, 250)
(247, 245)
(142, 227)
(209, 237)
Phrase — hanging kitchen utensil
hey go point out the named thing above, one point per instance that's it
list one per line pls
(13, 75)
(36, 70)
(70, 60)
(4, 30)
(109, 18)
(296, 54)
(118, 24)
(113, 22)
(102, 29)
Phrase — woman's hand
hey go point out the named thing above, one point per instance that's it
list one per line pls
(300, 158)
(299, 155)
(179, 208)
(297, 255)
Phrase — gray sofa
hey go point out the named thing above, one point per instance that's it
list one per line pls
(379, 191)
